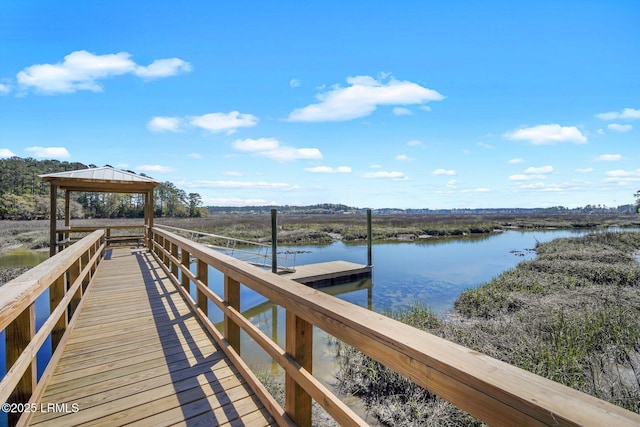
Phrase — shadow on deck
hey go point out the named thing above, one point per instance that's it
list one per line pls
(138, 355)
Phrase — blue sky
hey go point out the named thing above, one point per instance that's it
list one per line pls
(407, 104)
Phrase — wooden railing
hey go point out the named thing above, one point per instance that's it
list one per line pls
(67, 276)
(493, 391)
(114, 234)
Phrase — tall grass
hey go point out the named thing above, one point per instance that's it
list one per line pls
(571, 315)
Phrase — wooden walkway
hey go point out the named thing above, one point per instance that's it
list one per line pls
(139, 356)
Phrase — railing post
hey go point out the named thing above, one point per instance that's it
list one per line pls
(232, 297)
(74, 273)
(203, 276)
(369, 239)
(56, 293)
(299, 345)
(274, 241)
(185, 258)
(174, 265)
(18, 335)
(167, 251)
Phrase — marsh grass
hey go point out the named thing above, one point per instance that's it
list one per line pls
(571, 315)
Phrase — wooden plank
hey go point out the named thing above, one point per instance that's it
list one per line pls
(328, 273)
(153, 356)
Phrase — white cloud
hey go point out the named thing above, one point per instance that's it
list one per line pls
(485, 146)
(4, 89)
(548, 134)
(261, 185)
(443, 172)
(361, 98)
(165, 124)
(271, 148)
(452, 184)
(232, 201)
(616, 127)
(414, 143)
(155, 168)
(295, 83)
(5, 152)
(401, 111)
(261, 144)
(515, 161)
(396, 176)
(482, 190)
(626, 114)
(542, 169)
(233, 173)
(328, 169)
(622, 177)
(228, 122)
(404, 157)
(49, 152)
(526, 177)
(81, 70)
(195, 156)
(584, 170)
(609, 157)
(162, 68)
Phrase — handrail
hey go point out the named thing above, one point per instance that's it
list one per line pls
(252, 257)
(491, 390)
(67, 276)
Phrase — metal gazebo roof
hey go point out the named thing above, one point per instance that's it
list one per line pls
(104, 179)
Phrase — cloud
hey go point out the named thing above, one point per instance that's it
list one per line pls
(626, 114)
(414, 143)
(233, 173)
(165, 124)
(261, 185)
(395, 176)
(515, 161)
(609, 157)
(295, 83)
(5, 152)
(532, 173)
(4, 89)
(232, 201)
(228, 122)
(485, 146)
(195, 156)
(81, 70)
(619, 128)
(547, 134)
(49, 152)
(401, 111)
(328, 169)
(622, 177)
(404, 157)
(361, 98)
(452, 184)
(271, 148)
(443, 172)
(584, 170)
(542, 169)
(155, 168)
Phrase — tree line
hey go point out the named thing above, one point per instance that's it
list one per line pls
(24, 195)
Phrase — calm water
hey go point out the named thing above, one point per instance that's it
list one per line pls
(433, 272)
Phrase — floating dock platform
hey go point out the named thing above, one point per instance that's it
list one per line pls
(329, 273)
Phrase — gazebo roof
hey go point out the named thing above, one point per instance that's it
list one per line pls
(105, 180)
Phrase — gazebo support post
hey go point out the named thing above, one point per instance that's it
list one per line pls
(53, 213)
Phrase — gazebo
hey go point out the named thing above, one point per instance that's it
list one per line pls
(100, 180)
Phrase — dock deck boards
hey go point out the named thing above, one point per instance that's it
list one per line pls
(329, 273)
(139, 356)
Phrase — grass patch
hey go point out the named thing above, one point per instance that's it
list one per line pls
(571, 315)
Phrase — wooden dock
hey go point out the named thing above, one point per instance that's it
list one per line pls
(329, 273)
(139, 356)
